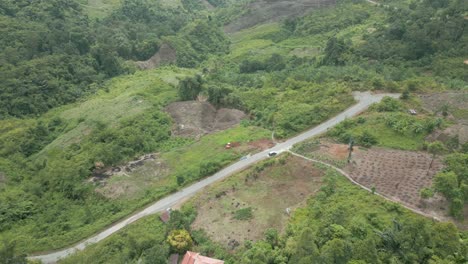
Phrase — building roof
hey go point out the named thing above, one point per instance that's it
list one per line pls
(196, 258)
(165, 216)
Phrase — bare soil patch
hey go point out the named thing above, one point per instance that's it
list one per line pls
(459, 130)
(130, 179)
(268, 193)
(399, 175)
(262, 144)
(457, 103)
(327, 151)
(267, 11)
(165, 55)
(194, 118)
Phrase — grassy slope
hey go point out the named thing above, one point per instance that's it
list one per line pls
(263, 40)
(123, 98)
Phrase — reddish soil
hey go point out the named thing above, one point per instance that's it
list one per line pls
(397, 174)
(262, 144)
(339, 151)
(194, 118)
(165, 55)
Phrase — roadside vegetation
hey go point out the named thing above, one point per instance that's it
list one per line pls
(341, 223)
(73, 101)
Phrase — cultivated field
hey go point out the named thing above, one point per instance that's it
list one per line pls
(266, 189)
(397, 174)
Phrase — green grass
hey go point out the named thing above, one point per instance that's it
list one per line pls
(347, 208)
(186, 161)
(149, 232)
(386, 137)
(243, 214)
(99, 8)
(122, 98)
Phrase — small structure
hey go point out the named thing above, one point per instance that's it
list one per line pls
(166, 215)
(412, 112)
(196, 258)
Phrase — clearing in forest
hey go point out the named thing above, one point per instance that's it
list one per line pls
(455, 106)
(243, 206)
(396, 174)
(194, 118)
(266, 11)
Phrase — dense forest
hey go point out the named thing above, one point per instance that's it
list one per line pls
(54, 54)
(72, 99)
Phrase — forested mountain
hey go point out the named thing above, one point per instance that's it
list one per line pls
(54, 54)
(74, 103)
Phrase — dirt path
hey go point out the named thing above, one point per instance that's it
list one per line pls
(364, 101)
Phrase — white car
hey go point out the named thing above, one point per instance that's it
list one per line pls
(272, 153)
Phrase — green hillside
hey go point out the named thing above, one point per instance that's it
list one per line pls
(73, 102)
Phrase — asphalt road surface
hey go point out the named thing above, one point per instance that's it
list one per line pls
(364, 99)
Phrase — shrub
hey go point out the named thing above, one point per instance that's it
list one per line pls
(366, 139)
(243, 214)
(180, 240)
(426, 193)
(388, 104)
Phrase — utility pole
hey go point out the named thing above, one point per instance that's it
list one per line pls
(350, 148)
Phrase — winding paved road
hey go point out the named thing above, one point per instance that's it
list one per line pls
(364, 99)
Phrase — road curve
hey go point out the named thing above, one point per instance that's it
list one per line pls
(364, 101)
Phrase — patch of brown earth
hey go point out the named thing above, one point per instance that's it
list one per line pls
(285, 184)
(267, 11)
(165, 55)
(399, 175)
(262, 144)
(327, 151)
(129, 179)
(460, 131)
(454, 100)
(339, 151)
(194, 118)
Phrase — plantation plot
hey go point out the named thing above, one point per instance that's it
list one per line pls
(397, 174)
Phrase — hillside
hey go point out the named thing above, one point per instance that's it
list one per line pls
(88, 135)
